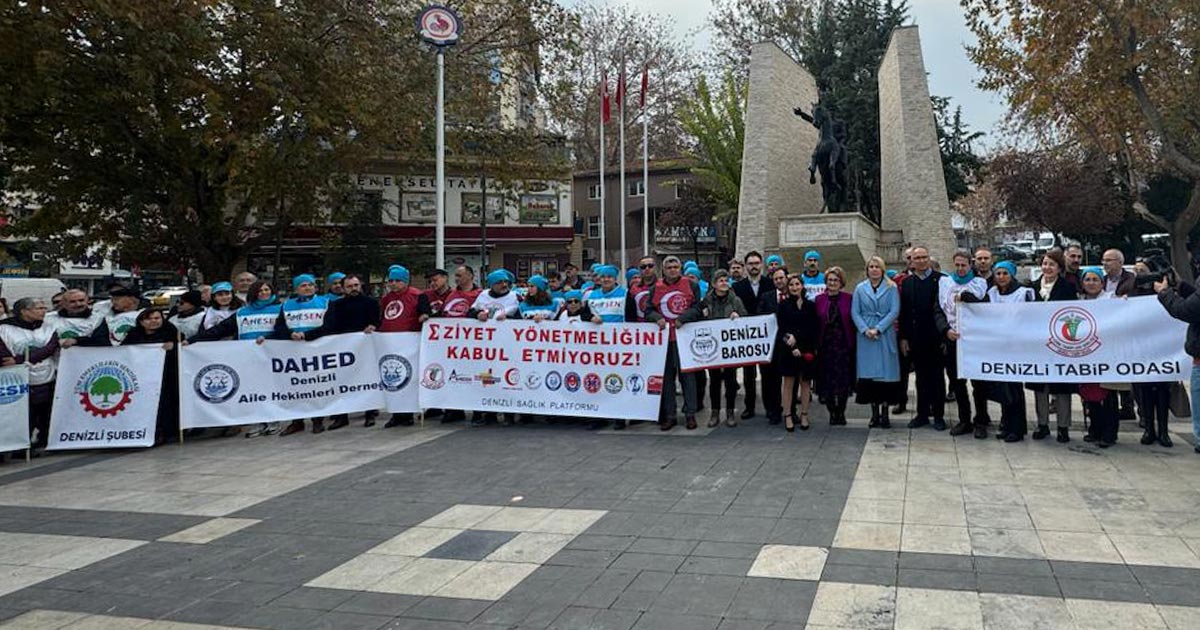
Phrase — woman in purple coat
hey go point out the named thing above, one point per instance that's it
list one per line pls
(835, 353)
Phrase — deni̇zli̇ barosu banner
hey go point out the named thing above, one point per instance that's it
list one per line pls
(553, 368)
(107, 397)
(1085, 341)
(719, 343)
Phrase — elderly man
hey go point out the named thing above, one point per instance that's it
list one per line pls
(241, 284)
(75, 319)
(921, 340)
(1117, 281)
(671, 304)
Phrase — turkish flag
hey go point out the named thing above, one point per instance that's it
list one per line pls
(605, 108)
(621, 91)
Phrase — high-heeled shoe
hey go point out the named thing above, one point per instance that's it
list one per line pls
(804, 423)
(789, 423)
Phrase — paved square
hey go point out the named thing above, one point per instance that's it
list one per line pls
(550, 526)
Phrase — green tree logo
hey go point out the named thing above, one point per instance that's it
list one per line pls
(106, 386)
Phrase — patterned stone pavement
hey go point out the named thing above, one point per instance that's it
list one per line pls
(549, 526)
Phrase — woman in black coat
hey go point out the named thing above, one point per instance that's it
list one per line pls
(799, 327)
(1053, 287)
(153, 327)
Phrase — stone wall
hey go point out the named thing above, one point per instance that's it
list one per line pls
(914, 198)
(777, 148)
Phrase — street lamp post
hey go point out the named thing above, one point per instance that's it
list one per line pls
(441, 27)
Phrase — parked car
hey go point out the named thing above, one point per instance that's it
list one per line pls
(1010, 253)
(1023, 246)
(13, 289)
(164, 296)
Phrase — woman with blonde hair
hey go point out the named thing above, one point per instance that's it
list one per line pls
(874, 310)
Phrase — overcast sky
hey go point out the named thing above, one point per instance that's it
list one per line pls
(943, 34)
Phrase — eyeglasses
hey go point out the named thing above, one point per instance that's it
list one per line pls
(573, 301)
(646, 266)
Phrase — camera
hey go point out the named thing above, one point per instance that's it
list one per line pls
(1160, 267)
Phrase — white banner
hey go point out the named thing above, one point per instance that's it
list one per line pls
(398, 356)
(551, 368)
(1086, 341)
(107, 397)
(14, 408)
(719, 343)
(230, 383)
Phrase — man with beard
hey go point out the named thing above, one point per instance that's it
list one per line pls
(75, 319)
(459, 301)
(437, 290)
(750, 290)
(813, 278)
(772, 380)
(354, 312)
(333, 286)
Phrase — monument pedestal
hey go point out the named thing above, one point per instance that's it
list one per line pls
(845, 240)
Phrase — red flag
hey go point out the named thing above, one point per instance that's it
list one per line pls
(621, 91)
(605, 108)
(645, 85)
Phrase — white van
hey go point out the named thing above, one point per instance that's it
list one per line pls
(13, 289)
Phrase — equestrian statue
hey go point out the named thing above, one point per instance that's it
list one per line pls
(829, 157)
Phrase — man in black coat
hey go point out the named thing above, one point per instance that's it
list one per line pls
(353, 312)
(772, 382)
(750, 290)
(921, 341)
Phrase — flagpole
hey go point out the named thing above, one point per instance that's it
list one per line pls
(621, 97)
(645, 162)
(603, 97)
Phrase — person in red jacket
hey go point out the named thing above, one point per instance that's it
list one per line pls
(437, 291)
(402, 309)
(459, 301)
(673, 302)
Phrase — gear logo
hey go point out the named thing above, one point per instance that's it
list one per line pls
(106, 388)
(216, 383)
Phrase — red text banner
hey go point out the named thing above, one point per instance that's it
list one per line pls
(545, 368)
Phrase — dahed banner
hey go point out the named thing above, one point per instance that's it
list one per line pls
(720, 343)
(1085, 341)
(551, 368)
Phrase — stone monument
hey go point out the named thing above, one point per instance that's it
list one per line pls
(914, 196)
(774, 164)
(779, 211)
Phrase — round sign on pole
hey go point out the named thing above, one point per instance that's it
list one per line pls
(439, 25)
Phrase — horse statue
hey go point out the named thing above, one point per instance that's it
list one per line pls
(829, 157)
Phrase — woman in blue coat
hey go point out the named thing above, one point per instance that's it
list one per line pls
(874, 310)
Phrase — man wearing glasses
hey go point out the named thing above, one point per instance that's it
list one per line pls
(639, 290)
(921, 340)
(748, 289)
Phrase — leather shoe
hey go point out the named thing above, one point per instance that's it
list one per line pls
(666, 425)
(1164, 440)
(747, 414)
(918, 422)
(939, 424)
(962, 428)
(338, 423)
(1064, 436)
(318, 426)
(1041, 432)
(1013, 437)
(690, 423)
(981, 432)
(296, 426)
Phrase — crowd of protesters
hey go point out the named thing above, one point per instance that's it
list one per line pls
(837, 340)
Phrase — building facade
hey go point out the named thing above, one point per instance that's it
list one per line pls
(703, 241)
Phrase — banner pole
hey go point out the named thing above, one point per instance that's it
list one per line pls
(178, 373)
(29, 448)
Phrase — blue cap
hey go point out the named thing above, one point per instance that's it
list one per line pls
(607, 271)
(573, 294)
(334, 277)
(891, 273)
(1007, 266)
(594, 267)
(498, 276)
(1099, 271)
(776, 258)
(540, 282)
(630, 274)
(302, 278)
(222, 286)
(692, 270)
(399, 272)
(812, 253)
